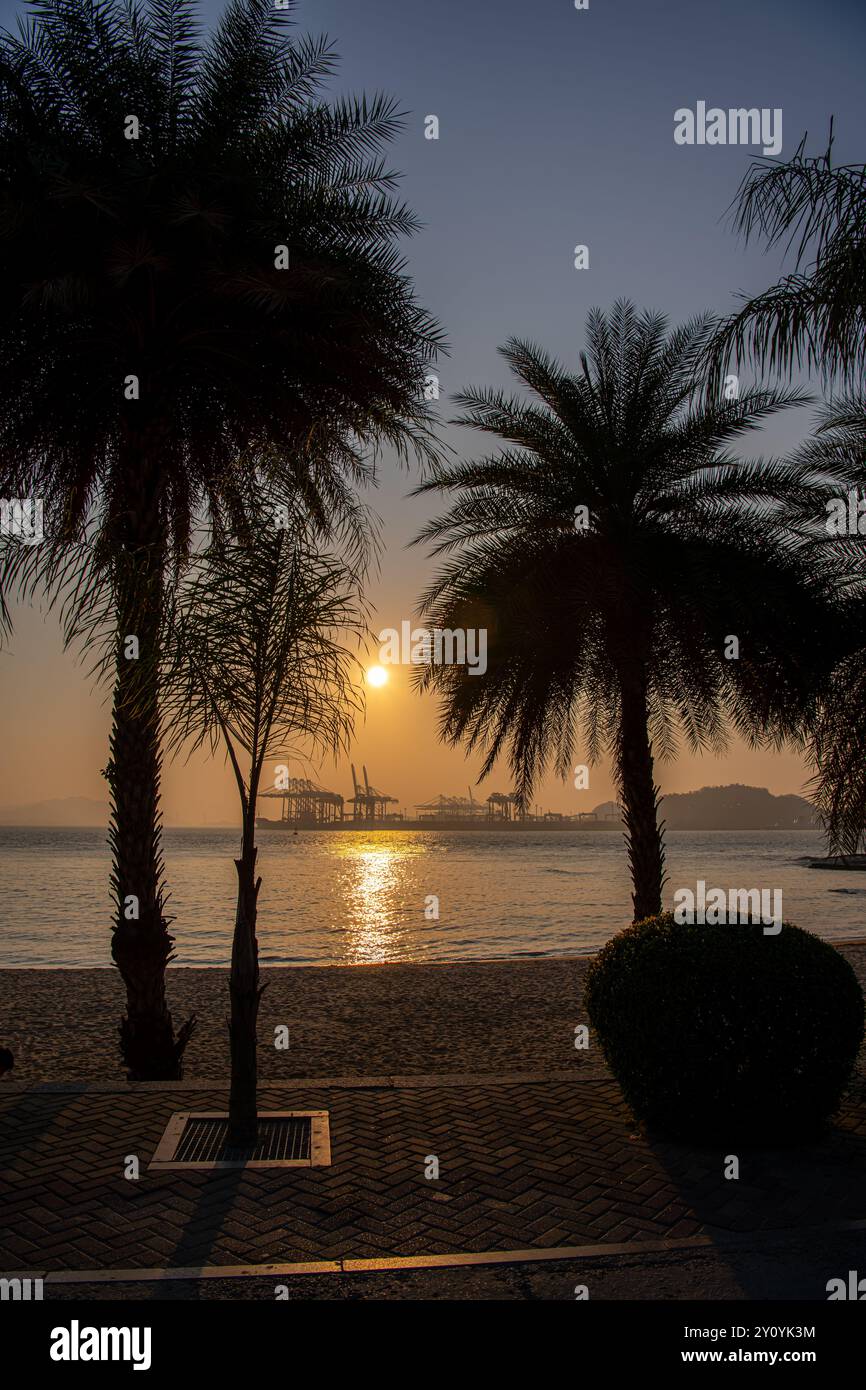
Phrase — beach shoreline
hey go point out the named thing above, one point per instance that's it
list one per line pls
(493, 1017)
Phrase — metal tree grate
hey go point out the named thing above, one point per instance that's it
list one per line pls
(286, 1139)
(279, 1140)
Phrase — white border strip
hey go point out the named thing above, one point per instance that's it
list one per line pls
(395, 1263)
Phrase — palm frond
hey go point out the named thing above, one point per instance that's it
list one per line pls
(814, 317)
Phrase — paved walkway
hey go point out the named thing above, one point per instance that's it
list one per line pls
(537, 1162)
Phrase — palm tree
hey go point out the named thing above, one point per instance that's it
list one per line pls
(198, 284)
(815, 316)
(836, 723)
(613, 549)
(257, 661)
(838, 743)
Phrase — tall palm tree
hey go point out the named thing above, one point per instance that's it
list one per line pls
(838, 744)
(837, 720)
(613, 549)
(816, 315)
(257, 663)
(198, 282)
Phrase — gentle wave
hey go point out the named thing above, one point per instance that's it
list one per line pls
(350, 897)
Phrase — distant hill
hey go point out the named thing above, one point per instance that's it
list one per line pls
(70, 810)
(736, 808)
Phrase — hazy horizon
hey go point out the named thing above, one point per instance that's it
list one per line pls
(270, 810)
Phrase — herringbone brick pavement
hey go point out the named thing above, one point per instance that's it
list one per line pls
(525, 1165)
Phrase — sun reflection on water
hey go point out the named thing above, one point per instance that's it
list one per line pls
(377, 893)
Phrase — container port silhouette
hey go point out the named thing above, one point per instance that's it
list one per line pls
(304, 805)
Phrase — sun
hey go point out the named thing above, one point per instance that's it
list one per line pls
(377, 676)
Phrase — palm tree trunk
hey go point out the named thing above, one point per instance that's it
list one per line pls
(141, 943)
(644, 836)
(245, 994)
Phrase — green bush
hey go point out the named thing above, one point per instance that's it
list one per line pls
(720, 1033)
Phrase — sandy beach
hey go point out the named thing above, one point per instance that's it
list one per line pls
(480, 1017)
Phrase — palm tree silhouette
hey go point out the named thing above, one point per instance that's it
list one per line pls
(837, 721)
(198, 284)
(815, 317)
(257, 663)
(613, 550)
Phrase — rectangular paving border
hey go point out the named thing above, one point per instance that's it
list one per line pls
(165, 1159)
(396, 1263)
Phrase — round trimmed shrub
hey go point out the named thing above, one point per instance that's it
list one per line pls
(723, 1033)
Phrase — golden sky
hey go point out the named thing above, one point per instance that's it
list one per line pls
(56, 728)
(522, 172)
